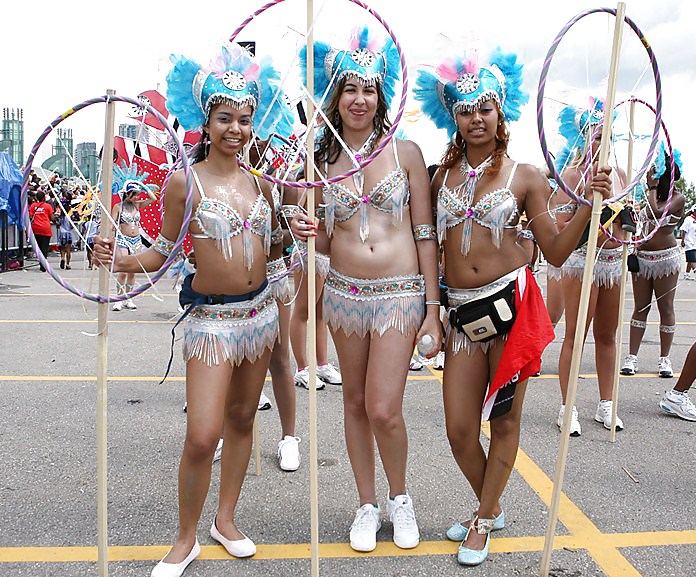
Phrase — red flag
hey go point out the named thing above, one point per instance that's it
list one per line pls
(156, 101)
(521, 358)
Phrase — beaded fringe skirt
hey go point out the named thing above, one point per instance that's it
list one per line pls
(299, 254)
(278, 280)
(373, 306)
(659, 263)
(607, 268)
(231, 332)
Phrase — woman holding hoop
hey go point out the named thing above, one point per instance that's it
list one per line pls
(659, 263)
(231, 323)
(381, 292)
(129, 184)
(498, 324)
(582, 130)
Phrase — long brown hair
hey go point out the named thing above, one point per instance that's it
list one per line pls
(455, 149)
(328, 147)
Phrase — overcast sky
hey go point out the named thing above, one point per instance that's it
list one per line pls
(58, 54)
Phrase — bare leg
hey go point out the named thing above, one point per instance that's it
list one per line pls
(353, 355)
(571, 294)
(604, 325)
(664, 294)
(241, 405)
(554, 300)
(281, 375)
(642, 295)
(688, 373)
(206, 389)
(387, 369)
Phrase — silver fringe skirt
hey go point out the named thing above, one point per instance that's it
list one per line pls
(231, 332)
(278, 279)
(607, 268)
(658, 263)
(362, 306)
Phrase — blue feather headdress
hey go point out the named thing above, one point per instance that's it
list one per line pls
(462, 84)
(235, 78)
(366, 58)
(576, 124)
(660, 164)
(128, 179)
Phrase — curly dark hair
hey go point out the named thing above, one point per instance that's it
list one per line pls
(455, 149)
(328, 147)
(662, 190)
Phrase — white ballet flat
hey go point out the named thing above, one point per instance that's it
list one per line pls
(239, 548)
(163, 569)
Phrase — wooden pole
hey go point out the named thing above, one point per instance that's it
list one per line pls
(105, 229)
(311, 300)
(622, 289)
(587, 279)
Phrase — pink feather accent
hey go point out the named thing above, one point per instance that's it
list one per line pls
(447, 70)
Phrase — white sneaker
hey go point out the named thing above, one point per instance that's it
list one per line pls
(264, 403)
(218, 452)
(630, 365)
(131, 305)
(603, 415)
(363, 531)
(117, 306)
(302, 380)
(402, 515)
(289, 453)
(329, 374)
(415, 365)
(678, 404)
(575, 429)
(664, 367)
(439, 362)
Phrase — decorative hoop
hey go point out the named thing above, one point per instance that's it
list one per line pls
(187, 209)
(665, 214)
(388, 136)
(540, 106)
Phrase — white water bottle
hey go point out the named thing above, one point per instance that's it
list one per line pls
(426, 345)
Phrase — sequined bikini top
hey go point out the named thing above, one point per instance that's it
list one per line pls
(220, 222)
(130, 217)
(495, 210)
(389, 195)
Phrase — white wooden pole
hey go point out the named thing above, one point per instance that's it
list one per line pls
(105, 229)
(311, 300)
(622, 289)
(587, 279)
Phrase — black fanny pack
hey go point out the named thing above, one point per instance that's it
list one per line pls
(486, 318)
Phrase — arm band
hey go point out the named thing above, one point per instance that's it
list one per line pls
(163, 245)
(320, 213)
(424, 232)
(433, 302)
(290, 210)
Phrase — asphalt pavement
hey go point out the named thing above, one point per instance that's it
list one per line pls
(629, 507)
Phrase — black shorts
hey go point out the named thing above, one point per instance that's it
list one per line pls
(691, 255)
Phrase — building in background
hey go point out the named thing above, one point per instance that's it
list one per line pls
(12, 134)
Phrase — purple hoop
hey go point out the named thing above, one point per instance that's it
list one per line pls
(540, 106)
(187, 210)
(665, 214)
(388, 136)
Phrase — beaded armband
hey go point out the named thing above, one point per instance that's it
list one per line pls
(290, 210)
(163, 245)
(277, 236)
(424, 232)
(320, 213)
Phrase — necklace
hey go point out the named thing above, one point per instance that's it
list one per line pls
(467, 189)
(359, 181)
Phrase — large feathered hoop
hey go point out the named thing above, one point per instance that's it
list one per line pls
(461, 83)
(235, 78)
(370, 59)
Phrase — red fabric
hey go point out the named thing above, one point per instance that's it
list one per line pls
(156, 101)
(41, 213)
(530, 335)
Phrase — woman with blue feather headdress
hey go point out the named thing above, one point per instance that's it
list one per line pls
(497, 323)
(581, 127)
(231, 316)
(381, 291)
(659, 260)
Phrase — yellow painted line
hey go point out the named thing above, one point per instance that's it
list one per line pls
(343, 550)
